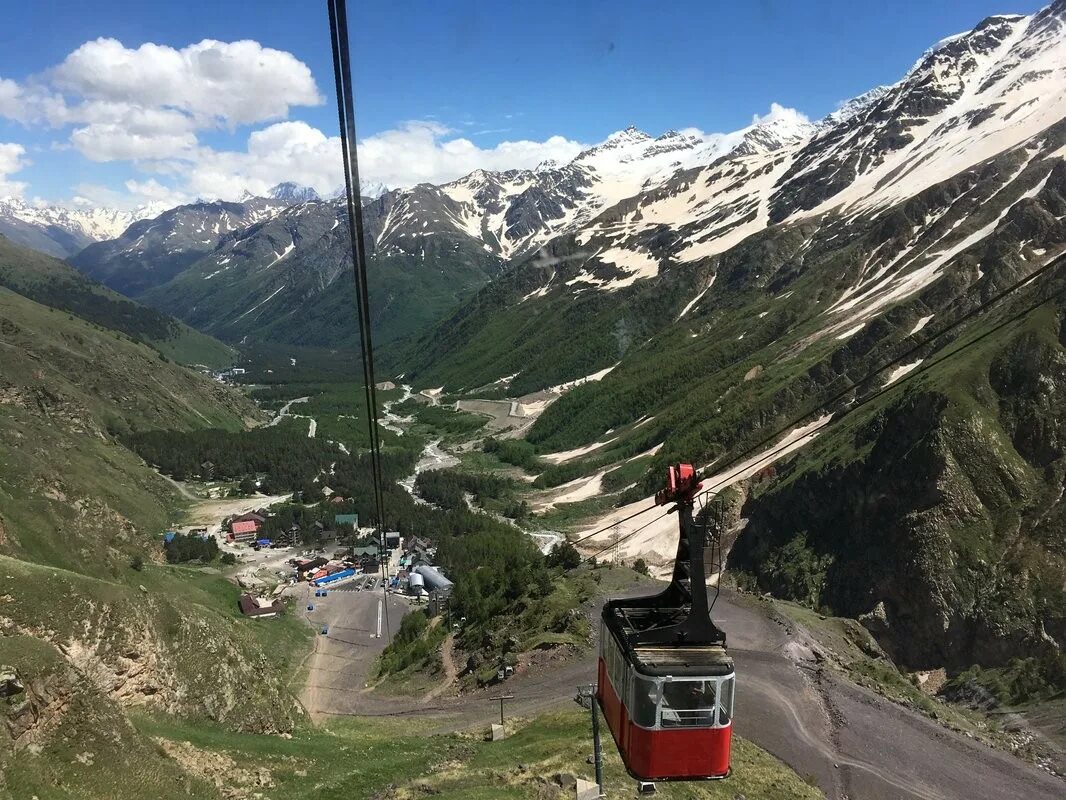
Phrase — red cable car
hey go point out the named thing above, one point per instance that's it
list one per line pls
(665, 682)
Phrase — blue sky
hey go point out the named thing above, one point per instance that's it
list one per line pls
(487, 73)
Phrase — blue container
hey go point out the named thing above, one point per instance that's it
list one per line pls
(323, 592)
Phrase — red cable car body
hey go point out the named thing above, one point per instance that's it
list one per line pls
(665, 681)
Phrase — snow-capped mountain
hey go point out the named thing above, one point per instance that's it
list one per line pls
(152, 251)
(289, 279)
(61, 231)
(637, 208)
(289, 192)
(971, 135)
(968, 98)
(369, 190)
(513, 213)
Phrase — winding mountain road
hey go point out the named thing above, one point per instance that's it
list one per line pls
(854, 743)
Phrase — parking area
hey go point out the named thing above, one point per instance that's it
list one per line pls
(359, 583)
(347, 644)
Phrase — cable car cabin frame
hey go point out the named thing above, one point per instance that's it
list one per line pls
(665, 682)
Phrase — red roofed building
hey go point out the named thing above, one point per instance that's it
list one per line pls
(243, 530)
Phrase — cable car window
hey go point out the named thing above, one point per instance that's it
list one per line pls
(689, 704)
(725, 701)
(645, 700)
(615, 663)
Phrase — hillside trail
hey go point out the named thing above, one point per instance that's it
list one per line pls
(451, 672)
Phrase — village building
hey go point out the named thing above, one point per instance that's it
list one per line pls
(252, 606)
(243, 531)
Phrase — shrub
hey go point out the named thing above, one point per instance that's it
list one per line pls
(564, 555)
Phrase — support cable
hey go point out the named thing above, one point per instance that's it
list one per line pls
(342, 75)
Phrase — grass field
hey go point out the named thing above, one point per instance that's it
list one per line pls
(392, 760)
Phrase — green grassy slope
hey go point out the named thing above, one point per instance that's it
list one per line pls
(76, 508)
(362, 759)
(54, 283)
(66, 385)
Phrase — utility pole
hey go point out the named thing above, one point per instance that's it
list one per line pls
(501, 698)
(588, 692)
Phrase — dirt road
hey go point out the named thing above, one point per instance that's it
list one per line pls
(285, 410)
(340, 665)
(855, 744)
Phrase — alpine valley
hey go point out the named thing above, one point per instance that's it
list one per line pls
(716, 287)
(807, 311)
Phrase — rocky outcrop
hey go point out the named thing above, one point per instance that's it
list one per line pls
(37, 709)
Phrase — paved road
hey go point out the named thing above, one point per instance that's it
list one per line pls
(854, 743)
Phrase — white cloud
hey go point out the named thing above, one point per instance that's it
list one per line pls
(415, 152)
(11, 104)
(133, 104)
(12, 159)
(132, 195)
(151, 192)
(780, 113)
(231, 83)
(420, 152)
(112, 142)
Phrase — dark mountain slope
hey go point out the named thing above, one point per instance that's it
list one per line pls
(288, 280)
(55, 284)
(152, 251)
(937, 511)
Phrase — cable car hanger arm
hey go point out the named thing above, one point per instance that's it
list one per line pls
(687, 591)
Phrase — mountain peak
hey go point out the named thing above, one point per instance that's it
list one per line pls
(292, 192)
(629, 135)
(856, 105)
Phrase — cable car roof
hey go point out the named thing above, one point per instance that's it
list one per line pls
(682, 659)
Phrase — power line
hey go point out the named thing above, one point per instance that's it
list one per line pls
(616, 522)
(926, 365)
(342, 75)
(629, 535)
(924, 368)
